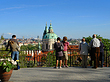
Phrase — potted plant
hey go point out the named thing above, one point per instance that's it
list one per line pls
(6, 67)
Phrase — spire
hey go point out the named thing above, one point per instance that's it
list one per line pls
(50, 28)
(46, 30)
(39, 47)
(46, 23)
(50, 23)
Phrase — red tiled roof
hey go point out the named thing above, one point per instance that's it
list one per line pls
(74, 48)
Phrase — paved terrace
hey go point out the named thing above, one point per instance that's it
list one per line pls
(71, 74)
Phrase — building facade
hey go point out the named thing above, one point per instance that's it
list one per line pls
(48, 39)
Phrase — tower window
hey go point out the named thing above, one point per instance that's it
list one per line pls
(49, 46)
(52, 46)
(46, 46)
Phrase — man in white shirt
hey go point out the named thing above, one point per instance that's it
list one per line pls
(95, 50)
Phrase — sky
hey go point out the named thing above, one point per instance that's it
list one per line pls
(72, 18)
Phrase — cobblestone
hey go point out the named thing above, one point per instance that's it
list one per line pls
(71, 74)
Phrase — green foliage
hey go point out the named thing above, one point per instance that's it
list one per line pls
(49, 60)
(108, 53)
(7, 64)
(74, 52)
(22, 59)
(88, 39)
(4, 53)
(29, 47)
(31, 63)
(106, 43)
(2, 38)
(24, 47)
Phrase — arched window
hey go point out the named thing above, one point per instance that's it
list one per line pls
(52, 46)
(46, 46)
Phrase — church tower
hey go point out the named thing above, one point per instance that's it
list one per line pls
(46, 30)
(49, 38)
(50, 28)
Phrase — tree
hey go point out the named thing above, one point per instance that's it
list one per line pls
(29, 47)
(2, 38)
(49, 60)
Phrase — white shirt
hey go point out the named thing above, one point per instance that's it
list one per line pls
(94, 43)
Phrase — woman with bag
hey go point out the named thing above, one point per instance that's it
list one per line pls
(59, 54)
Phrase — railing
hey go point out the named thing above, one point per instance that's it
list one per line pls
(30, 58)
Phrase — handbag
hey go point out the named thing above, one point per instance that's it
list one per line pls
(62, 48)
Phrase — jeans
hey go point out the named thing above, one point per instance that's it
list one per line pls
(15, 54)
(84, 61)
(102, 58)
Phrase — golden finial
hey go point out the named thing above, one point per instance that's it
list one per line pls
(50, 22)
(46, 23)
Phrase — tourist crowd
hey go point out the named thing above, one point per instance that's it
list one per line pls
(95, 48)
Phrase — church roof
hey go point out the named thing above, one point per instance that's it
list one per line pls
(50, 36)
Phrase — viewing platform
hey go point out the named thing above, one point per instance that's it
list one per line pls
(71, 74)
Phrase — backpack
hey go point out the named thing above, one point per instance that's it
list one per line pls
(14, 46)
(59, 46)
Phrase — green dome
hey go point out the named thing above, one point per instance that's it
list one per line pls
(50, 36)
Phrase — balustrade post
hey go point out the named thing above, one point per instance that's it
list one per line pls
(106, 57)
(70, 57)
(34, 57)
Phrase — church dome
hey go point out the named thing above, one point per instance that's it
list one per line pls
(50, 36)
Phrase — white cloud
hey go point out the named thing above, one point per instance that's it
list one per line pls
(85, 16)
(9, 33)
(11, 8)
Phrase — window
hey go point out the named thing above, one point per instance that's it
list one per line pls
(49, 46)
(52, 46)
(46, 46)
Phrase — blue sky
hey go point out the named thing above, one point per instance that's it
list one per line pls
(71, 18)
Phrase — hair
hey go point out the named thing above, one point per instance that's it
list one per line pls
(58, 39)
(100, 39)
(94, 36)
(13, 36)
(64, 38)
(83, 39)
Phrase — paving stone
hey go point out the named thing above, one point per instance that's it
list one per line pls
(71, 74)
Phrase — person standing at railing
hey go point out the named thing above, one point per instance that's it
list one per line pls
(59, 53)
(101, 52)
(95, 50)
(65, 54)
(83, 48)
(14, 48)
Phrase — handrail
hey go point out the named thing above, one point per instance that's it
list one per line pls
(34, 58)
